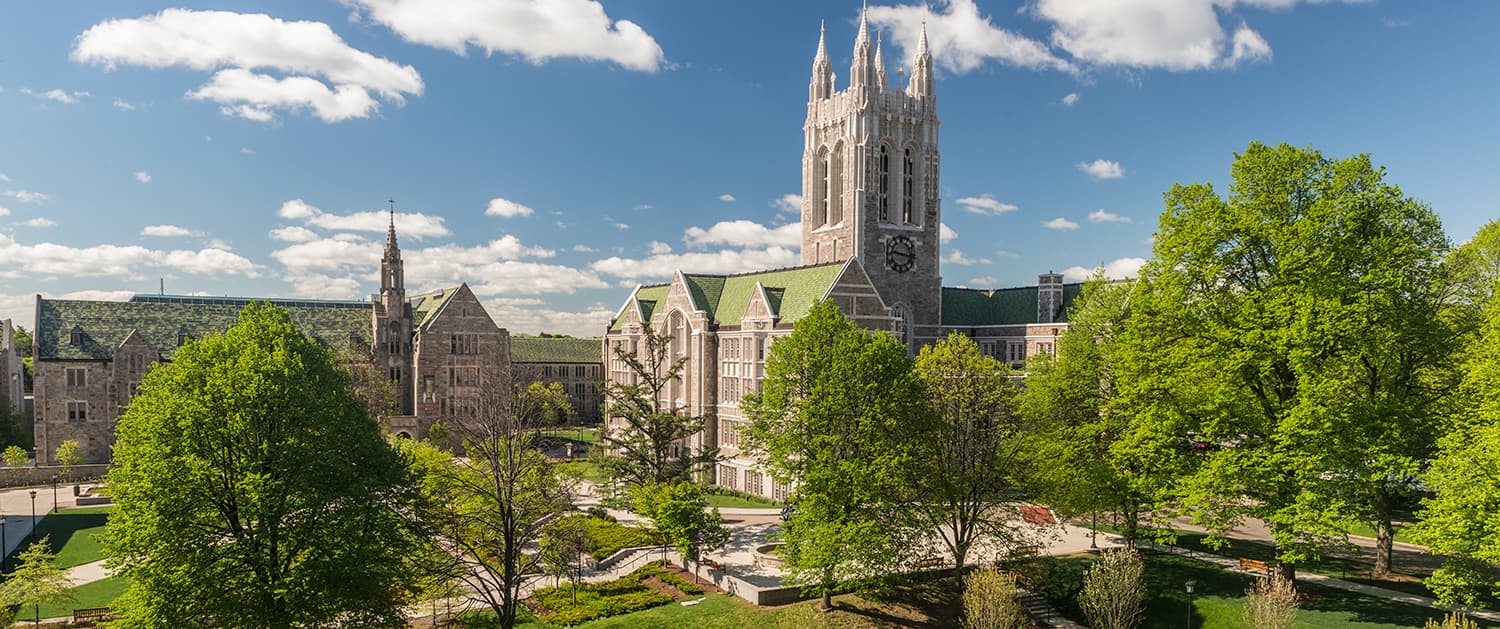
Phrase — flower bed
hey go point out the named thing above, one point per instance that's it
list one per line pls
(601, 600)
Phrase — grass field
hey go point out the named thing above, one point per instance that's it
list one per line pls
(588, 469)
(577, 433)
(738, 502)
(1218, 597)
(96, 594)
(74, 534)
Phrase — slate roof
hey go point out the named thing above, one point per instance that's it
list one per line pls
(159, 318)
(423, 305)
(1004, 306)
(791, 291)
(531, 349)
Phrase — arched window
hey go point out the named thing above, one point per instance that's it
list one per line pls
(884, 185)
(836, 185)
(820, 189)
(907, 207)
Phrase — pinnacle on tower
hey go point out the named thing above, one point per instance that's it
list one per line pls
(880, 75)
(391, 248)
(862, 72)
(921, 68)
(822, 72)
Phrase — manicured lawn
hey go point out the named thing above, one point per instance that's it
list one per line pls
(95, 594)
(578, 433)
(587, 469)
(1218, 597)
(74, 534)
(1365, 530)
(738, 502)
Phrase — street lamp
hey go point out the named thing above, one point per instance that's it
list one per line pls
(33, 513)
(54, 493)
(1190, 585)
(4, 548)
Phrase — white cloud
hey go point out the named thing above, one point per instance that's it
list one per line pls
(329, 254)
(26, 196)
(658, 247)
(946, 233)
(534, 31)
(118, 261)
(122, 104)
(726, 197)
(583, 248)
(1007, 254)
(4, 211)
(1060, 224)
(168, 231)
(507, 209)
(412, 224)
(1173, 35)
(1071, 99)
(57, 95)
(236, 44)
(642, 206)
(956, 256)
(4, 178)
(985, 204)
(38, 222)
(788, 204)
(247, 151)
(1119, 269)
(744, 233)
(962, 40)
(1102, 169)
(523, 320)
(621, 226)
(726, 261)
(294, 233)
(142, 176)
(1101, 216)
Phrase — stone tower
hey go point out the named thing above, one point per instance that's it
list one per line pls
(392, 323)
(870, 177)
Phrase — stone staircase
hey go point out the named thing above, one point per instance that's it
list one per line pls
(1040, 610)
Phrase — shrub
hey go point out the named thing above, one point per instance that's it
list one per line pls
(14, 456)
(686, 586)
(990, 601)
(1271, 603)
(601, 513)
(634, 602)
(1453, 620)
(1113, 589)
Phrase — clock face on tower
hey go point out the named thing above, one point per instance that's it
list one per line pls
(900, 254)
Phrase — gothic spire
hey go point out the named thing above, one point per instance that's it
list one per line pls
(822, 71)
(921, 69)
(392, 250)
(862, 72)
(880, 75)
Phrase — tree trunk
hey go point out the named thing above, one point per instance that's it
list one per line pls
(958, 568)
(1384, 534)
(1288, 571)
(827, 603)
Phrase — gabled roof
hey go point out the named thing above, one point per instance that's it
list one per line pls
(1003, 306)
(423, 305)
(791, 292)
(157, 319)
(531, 349)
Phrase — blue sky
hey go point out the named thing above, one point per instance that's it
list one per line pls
(553, 160)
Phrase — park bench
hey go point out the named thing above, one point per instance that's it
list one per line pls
(928, 563)
(1255, 565)
(92, 614)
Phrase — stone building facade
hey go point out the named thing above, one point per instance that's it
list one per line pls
(871, 221)
(12, 370)
(440, 350)
(572, 363)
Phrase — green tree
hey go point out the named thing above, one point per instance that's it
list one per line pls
(68, 456)
(1114, 590)
(976, 460)
(681, 515)
(1090, 465)
(15, 456)
(644, 449)
(840, 413)
(990, 601)
(369, 383)
(254, 490)
(22, 340)
(36, 579)
(503, 491)
(564, 544)
(1301, 311)
(1460, 519)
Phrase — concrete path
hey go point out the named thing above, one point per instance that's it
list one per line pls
(1327, 581)
(88, 573)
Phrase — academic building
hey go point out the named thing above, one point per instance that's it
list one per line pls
(871, 221)
(438, 348)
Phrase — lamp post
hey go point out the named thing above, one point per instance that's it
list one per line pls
(1190, 585)
(33, 513)
(4, 547)
(54, 493)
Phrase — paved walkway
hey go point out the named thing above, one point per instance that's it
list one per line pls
(16, 507)
(1327, 581)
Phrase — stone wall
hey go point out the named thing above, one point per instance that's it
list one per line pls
(95, 434)
(22, 476)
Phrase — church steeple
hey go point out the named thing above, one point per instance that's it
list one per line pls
(392, 250)
(822, 71)
(880, 76)
(392, 275)
(862, 71)
(921, 68)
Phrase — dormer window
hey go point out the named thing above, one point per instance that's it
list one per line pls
(76, 336)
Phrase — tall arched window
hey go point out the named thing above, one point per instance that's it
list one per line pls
(884, 185)
(836, 184)
(907, 208)
(820, 189)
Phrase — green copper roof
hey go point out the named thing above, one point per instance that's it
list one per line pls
(1005, 306)
(531, 349)
(158, 319)
(791, 292)
(647, 297)
(423, 305)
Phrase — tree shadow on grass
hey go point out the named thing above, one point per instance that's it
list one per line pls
(60, 527)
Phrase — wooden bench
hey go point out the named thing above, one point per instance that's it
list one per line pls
(927, 563)
(1255, 565)
(92, 614)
